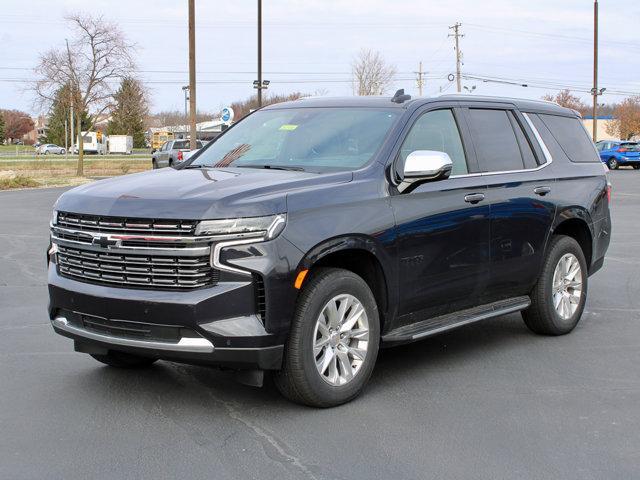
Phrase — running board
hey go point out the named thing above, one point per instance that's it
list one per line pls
(435, 325)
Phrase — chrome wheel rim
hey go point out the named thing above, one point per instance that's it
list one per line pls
(567, 286)
(341, 339)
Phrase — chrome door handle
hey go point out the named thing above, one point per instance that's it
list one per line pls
(542, 191)
(474, 198)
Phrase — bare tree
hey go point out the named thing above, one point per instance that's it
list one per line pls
(371, 73)
(565, 98)
(626, 123)
(90, 66)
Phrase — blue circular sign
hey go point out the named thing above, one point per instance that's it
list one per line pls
(226, 115)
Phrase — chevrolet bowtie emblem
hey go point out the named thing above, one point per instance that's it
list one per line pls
(104, 242)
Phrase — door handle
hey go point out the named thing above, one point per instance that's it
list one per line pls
(474, 198)
(542, 191)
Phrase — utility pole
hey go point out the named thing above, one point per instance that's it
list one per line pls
(259, 53)
(594, 91)
(457, 35)
(420, 80)
(192, 73)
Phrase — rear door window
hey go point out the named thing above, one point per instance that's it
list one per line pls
(497, 147)
(572, 137)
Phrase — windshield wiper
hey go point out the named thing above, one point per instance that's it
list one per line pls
(274, 167)
(195, 166)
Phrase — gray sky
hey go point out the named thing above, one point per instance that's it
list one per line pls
(309, 44)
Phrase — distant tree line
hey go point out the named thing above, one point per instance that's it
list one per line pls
(626, 114)
(14, 124)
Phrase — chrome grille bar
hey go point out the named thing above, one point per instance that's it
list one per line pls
(102, 224)
(142, 271)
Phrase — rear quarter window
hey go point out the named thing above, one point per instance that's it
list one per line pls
(572, 137)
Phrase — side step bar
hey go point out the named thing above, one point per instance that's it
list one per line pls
(435, 325)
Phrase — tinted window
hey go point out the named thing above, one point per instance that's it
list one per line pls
(495, 141)
(525, 146)
(572, 137)
(181, 145)
(436, 130)
(630, 147)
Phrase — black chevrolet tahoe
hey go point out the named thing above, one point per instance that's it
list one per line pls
(314, 232)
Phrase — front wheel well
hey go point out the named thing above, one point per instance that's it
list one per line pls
(579, 231)
(364, 264)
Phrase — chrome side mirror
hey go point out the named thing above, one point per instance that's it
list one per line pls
(423, 166)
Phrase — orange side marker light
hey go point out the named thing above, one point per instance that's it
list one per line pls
(300, 279)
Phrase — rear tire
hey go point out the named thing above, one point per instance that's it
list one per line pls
(613, 164)
(558, 299)
(123, 360)
(327, 362)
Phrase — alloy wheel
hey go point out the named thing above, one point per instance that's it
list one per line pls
(567, 286)
(341, 338)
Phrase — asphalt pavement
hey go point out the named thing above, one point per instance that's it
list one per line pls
(488, 401)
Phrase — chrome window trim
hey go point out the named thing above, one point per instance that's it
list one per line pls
(543, 147)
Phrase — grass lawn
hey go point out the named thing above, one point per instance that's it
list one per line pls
(56, 171)
(16, 149)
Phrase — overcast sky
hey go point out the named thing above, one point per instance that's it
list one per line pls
(309, 45)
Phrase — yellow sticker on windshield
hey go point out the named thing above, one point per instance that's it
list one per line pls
(288, 127)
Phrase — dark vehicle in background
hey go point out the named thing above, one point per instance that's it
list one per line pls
(172, 153)
(618, 154)
(314, 232)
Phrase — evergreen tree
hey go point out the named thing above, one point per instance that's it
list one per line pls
(129, 112)
(58, 114)
(1, 127)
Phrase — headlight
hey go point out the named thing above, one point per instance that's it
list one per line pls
(265, 228)
(54, 217)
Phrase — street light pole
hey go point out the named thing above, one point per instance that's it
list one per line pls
(192, 74)
(259, 53)
(185, 89)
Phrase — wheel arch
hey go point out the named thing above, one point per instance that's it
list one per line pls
(363, 256)
(576, 223)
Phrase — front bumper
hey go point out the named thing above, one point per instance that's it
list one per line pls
(215, 326)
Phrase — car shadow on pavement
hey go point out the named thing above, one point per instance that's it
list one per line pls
(190, 386)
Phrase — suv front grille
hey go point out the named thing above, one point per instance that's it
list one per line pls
(114, 225)
(157, 271)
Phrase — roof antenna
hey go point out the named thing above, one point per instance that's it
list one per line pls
(400, 97)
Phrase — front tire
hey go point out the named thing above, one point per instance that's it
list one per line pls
(613, 164)
(123, 360)
(636, 167)
(333, 342)
(558, 299)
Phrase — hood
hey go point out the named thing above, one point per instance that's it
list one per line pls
(193, 194)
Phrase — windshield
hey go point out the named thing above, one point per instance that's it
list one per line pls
(631, 147)
(309, 139)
